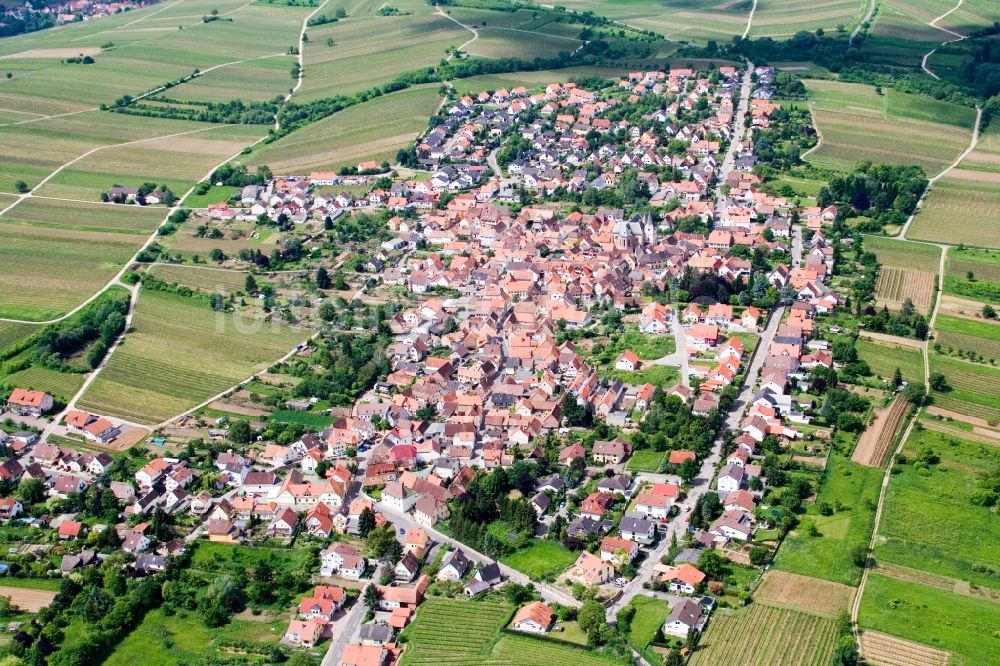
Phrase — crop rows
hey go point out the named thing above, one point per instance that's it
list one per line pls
(453, 632)
(874, 443)
(989, 349)
(896, 285)
(767, 635)
(884, 650)
(884, 359)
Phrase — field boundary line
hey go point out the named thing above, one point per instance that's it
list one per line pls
(753, 10)
(475, 33)
(872, 4)
(933, 179)
(819, 133)
(958, 37)
(301, 58)
(153, 236)
(933, 22)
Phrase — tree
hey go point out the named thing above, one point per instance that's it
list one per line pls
(915, 393)
(688, 470)
(222, 598)
(759, 555)
(371, 597)
(240, 432)
(251, 285)
(938, 382)
(712, 564)
(323, 278)
(21, 187)
(897, 378)
(591, 615)
(31, 491)
(381, 543)
(218, 302)
(989, 312)
(366, 522)
(217, 255)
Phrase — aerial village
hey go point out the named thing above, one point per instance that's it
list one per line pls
(496, 368)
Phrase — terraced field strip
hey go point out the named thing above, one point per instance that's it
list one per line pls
(885, 650)
(899, 572)
(903, 254)
(974, 388)
(873, 445)
(804, 593)
(201, 278)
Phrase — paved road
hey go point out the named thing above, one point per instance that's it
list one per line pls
(796, 247)
(549, 593)
(345, 629)
(739, 130)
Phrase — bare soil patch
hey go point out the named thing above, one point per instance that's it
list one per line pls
(27, 599)
(235, 407)
(885, 650)
(873, 446)
(975, 176)
(811, 595)
(960, 307)
(893, 339)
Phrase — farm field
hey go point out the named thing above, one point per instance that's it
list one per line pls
(27, 598)
(885, 650)
(183, 638)
(180, 353)
(883, 359)
(56, 254)
(904, 254)
(894, 128)
(763, 634)
(62, 385)
(969, 336)
(695, 21)
(11, 333)
(974, 388)
(404, 43)
(783, 18)
(876, 441)
(533, 81)
(828, 556)
(913, 612)
(201, 278)
(810, 595)
(929, 520)
(177, 162)
(147, 49)
(901, 34)
(970, 194)
(897, 285)
(373, 130)
(984, 266)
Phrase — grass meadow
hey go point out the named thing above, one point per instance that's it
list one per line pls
(180, 353)
(962, 625)
(896, 128)
(929, 522)
(828, 556)
(540, 560)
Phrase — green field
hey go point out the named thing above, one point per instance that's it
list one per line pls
(783, 18)
(929, 521)
(984, 266)
(962, 625)
(828, 556)
(762, 634)
(374, 130)
(55, 254)
(904, 254)
(974, 388)
(11, 333)
(202, 278)
(180, 353)
(183, 638)
(895, 128)
(970, 336)
(901, 34)
(541, 560)
(62, 385)
(968, 195)
(883, 359)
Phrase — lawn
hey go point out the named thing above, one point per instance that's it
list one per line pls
(828, 556)
(962, 625)
(929, 521)
(542, 560)
(49, 584)
(649, 616)
(896, 128)
(174, 640)
(883, 359)
(645, 461)
(312, 420)
(213, 557)
(215, 194)
(180, 353)
(658, 375)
